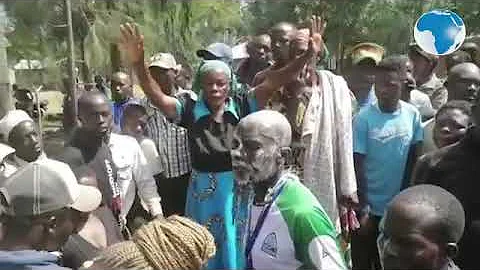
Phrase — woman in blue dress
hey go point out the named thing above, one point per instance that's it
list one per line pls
(210, 121)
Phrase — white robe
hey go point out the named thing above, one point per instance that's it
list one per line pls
(327, 132)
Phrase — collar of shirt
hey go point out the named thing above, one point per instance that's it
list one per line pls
(20, 162)
(115, 139)
(272, 192)
(117, 104)
(396, 112)
(200, 110)
(433, 83)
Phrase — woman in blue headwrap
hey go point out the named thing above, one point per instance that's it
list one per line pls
(210, 122)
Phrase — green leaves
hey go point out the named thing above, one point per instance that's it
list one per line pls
(181, 27)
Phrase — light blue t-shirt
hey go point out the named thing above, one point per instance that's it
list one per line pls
(385, 140)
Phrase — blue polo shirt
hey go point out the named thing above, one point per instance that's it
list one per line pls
(385, 140)
(117, 109)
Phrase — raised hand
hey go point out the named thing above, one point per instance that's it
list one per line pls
(317, 28)
(131, 41)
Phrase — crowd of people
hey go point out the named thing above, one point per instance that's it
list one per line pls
(268, 163)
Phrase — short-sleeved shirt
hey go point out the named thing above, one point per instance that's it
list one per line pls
(211, 142)
(296, 233)
(385, 139)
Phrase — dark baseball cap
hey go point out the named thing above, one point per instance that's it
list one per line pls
(219, 50)
(44, 186)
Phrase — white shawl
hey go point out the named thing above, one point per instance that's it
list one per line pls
(327, 132)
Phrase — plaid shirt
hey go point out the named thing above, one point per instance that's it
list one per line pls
(171, 141)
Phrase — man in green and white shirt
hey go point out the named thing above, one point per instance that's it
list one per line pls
(288, 228)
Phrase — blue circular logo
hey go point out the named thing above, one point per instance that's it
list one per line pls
(439, 32)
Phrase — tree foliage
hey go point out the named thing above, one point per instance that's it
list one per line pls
(179, 27)
(386, 22)
(182, 27)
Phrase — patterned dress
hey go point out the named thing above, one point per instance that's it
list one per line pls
(210, 196)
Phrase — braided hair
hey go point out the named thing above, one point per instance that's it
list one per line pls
(171, 243)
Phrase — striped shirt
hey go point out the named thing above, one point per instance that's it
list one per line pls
(170, 139)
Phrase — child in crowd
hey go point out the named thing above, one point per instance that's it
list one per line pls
(133, 124)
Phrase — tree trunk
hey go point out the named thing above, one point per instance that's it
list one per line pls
(85, 70)
(114, 51)
(340, 54)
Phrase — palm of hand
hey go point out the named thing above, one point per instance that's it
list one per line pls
(132, 42)
(317, 28)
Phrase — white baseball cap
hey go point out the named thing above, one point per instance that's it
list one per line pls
(5, 150)
(10, 120)
(47, 185)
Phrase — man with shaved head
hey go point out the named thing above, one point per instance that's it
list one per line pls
(463, 82)
(456, 168)
(118, 160)
(281, 35)
(288, 228)
(420, 230)
(258, 49)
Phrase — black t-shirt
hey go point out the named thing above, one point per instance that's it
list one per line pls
(456, 168)
(210, 142)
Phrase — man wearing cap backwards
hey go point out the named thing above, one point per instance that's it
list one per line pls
(423, 71)
(20, 132)
(42, 203)
(360, 76)
(169, 138)
(217, 51)
(117, 160)
(122, 92)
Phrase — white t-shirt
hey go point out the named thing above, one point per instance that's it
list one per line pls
(151, 154)
(296, 231)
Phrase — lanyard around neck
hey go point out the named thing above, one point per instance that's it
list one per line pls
(252, 237)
